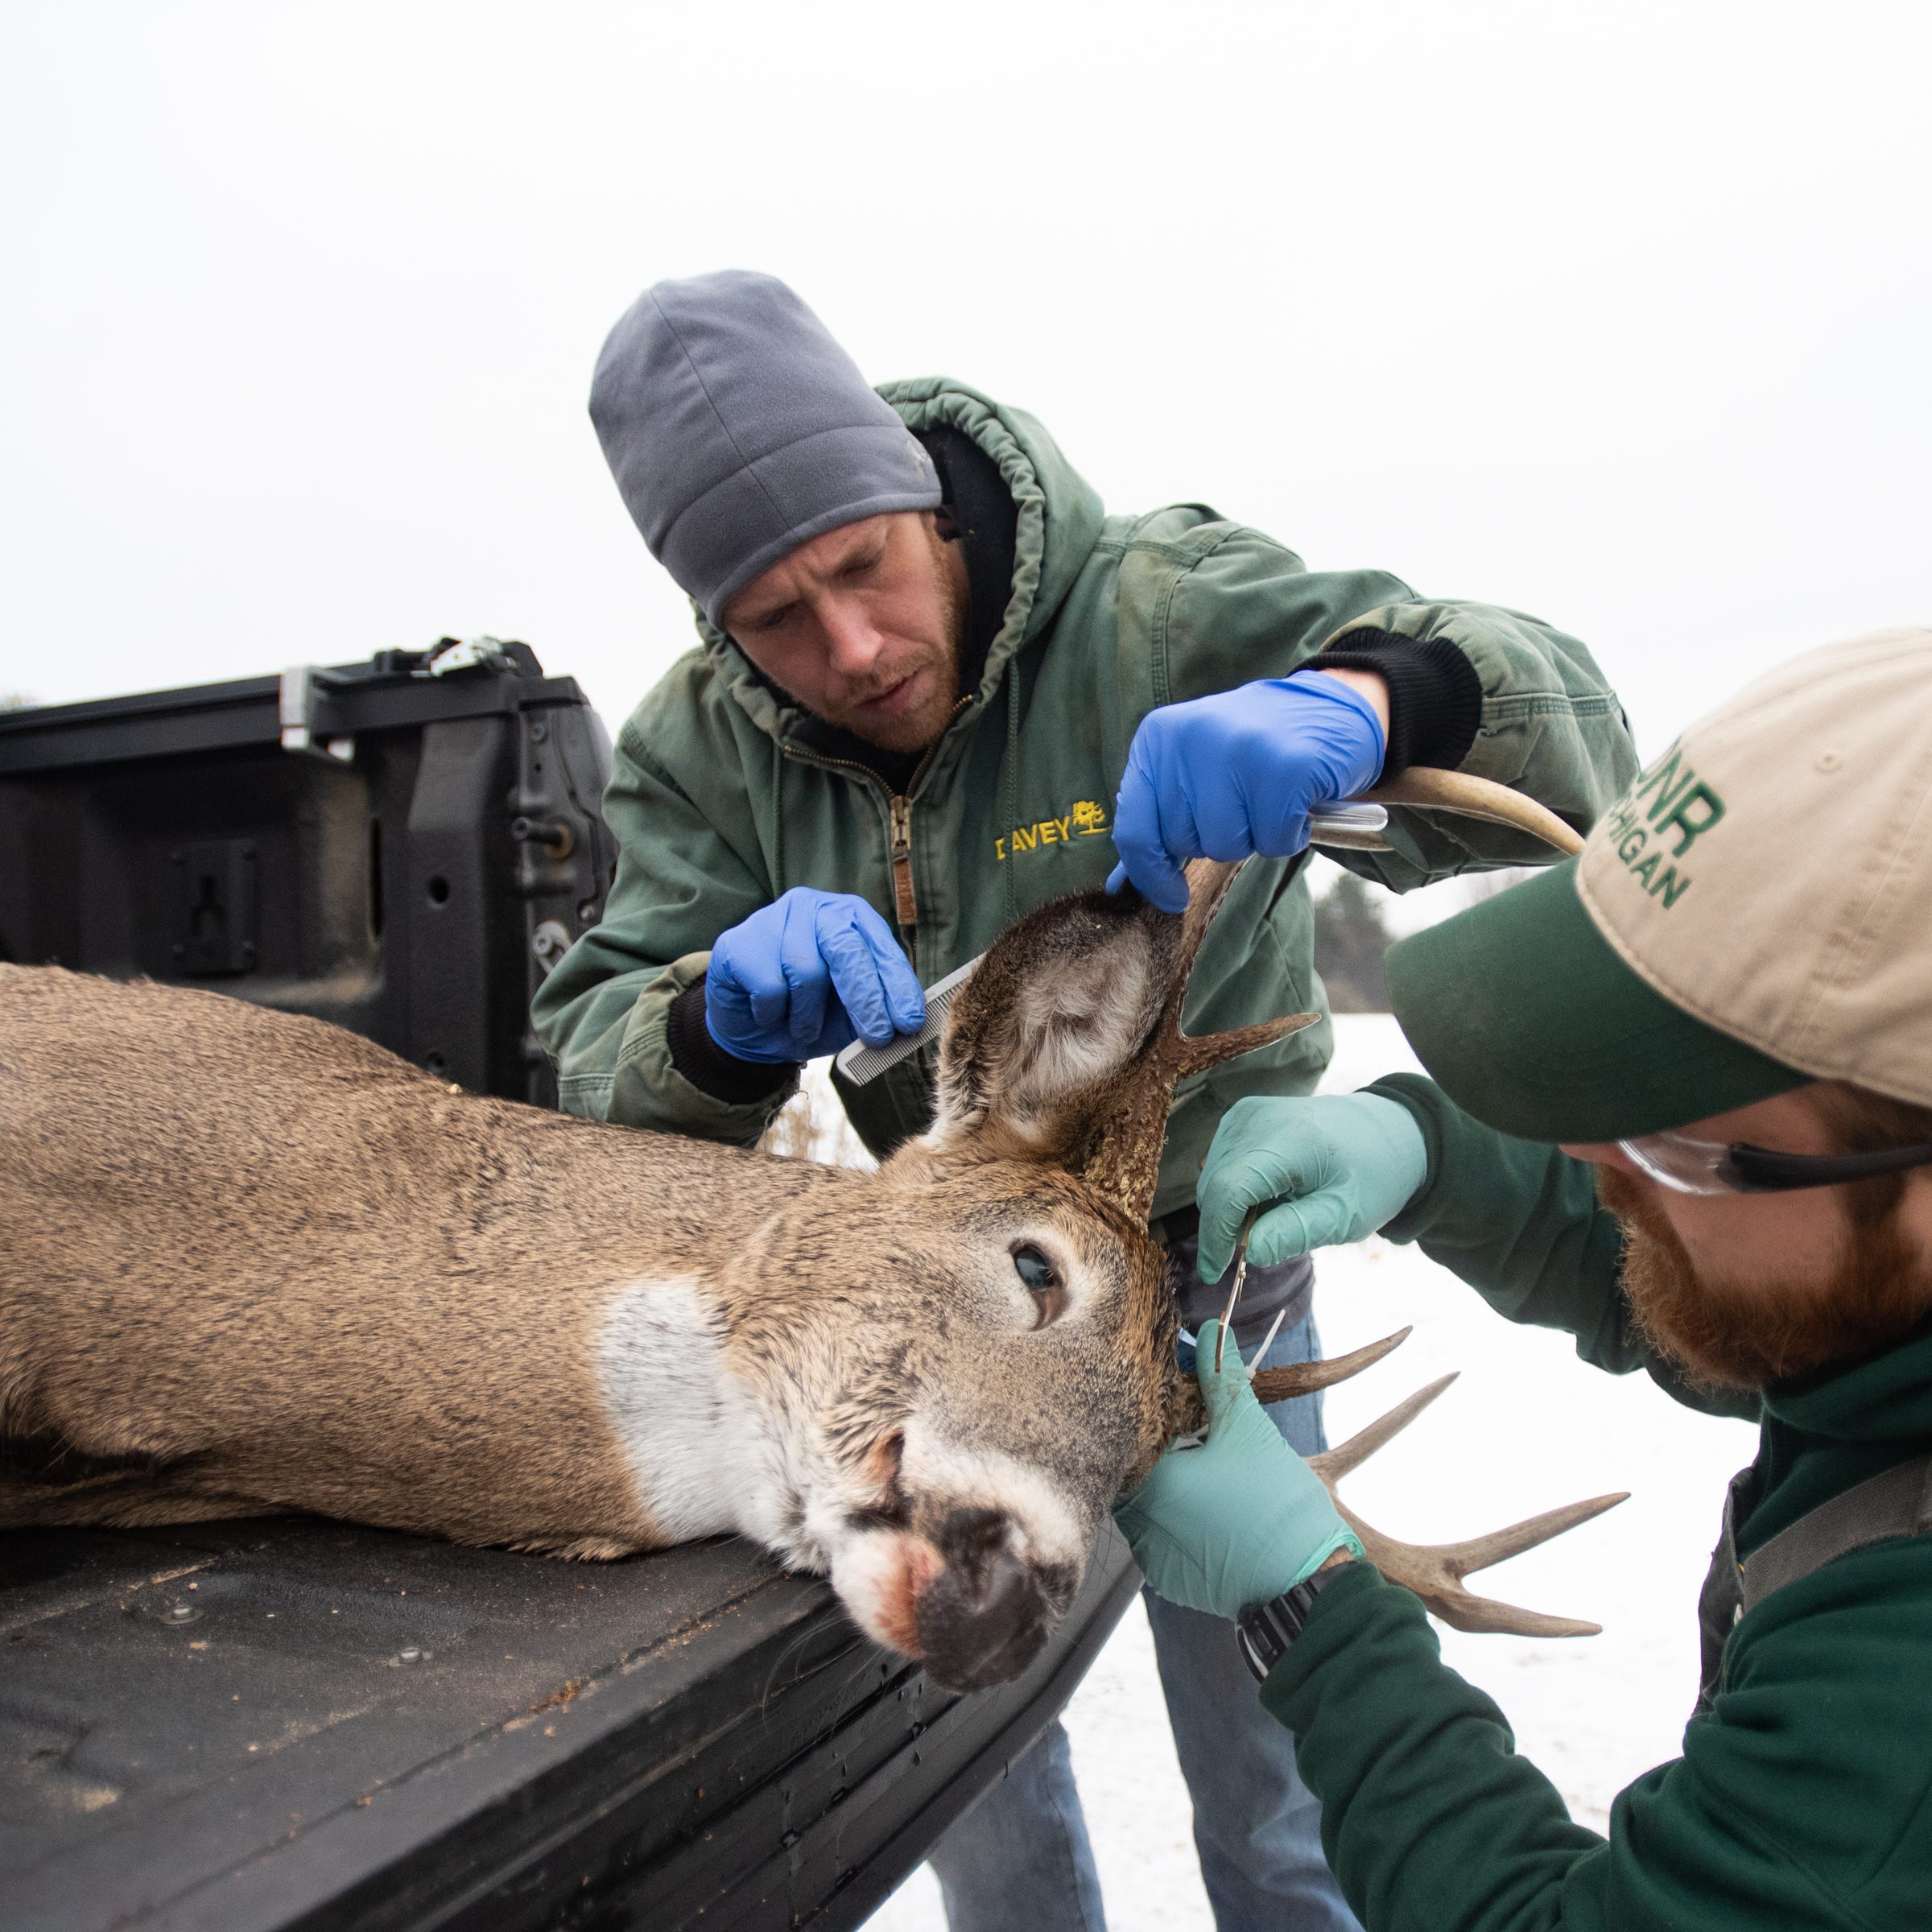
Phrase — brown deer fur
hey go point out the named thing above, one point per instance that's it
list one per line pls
(251, 1262)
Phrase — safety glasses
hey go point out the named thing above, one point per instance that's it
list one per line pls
(1686, 1165)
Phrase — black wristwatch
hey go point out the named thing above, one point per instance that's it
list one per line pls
(1265, 1631)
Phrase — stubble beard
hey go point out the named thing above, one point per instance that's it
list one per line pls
(1728, 1335)
(919, 730)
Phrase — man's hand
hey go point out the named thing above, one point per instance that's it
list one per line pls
(1340, 1165)
(806, 976)
(1239, 1520)
(1226, 776)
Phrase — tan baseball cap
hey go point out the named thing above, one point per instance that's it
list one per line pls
(1755, 913)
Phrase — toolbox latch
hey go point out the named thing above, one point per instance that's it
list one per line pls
(215, 928)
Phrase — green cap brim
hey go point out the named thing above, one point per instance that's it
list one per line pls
(1526, 1017)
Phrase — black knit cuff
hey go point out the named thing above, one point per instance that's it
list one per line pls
(708, 1066)
(1436, 697)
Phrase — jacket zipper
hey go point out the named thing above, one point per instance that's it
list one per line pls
(904, 900)
(905, 897)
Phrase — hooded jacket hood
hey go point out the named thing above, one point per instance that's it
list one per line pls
(1887, 1398)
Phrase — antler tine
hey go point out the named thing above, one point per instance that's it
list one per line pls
(1208, 883)
(1304, 1378)
(1332, 1464)
(1434, 1571)
(1499, 1546)
(1197, 1053)
(1187, 1417)
(1122, 1157)
(1424, 1572)
(1470, 797)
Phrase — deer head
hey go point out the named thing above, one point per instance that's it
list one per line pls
(1013, 1371)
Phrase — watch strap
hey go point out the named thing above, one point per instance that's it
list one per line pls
(1265, 1631)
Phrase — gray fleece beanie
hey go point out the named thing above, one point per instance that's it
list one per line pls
(737, 430)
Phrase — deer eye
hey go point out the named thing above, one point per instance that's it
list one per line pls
(1042, 1281)
(1033, 1268)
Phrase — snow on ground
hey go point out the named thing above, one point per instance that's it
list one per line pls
(1526, 1427)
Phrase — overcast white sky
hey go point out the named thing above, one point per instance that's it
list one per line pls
(1618, 313)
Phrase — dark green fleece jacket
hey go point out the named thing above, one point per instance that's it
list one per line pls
(724, 794)
(1803, 1798)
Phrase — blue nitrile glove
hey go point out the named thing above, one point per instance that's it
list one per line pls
(808, 975)
(1239, 1520)
(1340, 1164)
(1230, 775)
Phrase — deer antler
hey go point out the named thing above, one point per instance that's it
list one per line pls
(1434, 1571)
(1123, 1155)
(1187, 1415)
(1423, 786)
(1123, 1159)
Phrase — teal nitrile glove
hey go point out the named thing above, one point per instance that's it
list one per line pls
(1239, 1520)
(1340, 1164)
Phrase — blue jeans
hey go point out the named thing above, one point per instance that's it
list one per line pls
(1019, 1860)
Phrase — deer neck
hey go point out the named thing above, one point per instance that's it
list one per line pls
(714, 1440)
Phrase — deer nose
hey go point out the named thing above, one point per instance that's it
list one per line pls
(982, 1619)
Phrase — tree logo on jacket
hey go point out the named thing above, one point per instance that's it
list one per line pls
(1085, 820)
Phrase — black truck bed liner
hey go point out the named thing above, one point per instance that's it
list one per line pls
(284, 1723)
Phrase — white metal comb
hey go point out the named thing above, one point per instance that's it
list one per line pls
(860, 1062)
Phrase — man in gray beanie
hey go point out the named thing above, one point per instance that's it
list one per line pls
(935, 685)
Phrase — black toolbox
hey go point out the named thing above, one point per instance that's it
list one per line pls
(404, 846)
(269, 1725)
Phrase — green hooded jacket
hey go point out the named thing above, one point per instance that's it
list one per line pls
(720, 803)
(1803, 1798)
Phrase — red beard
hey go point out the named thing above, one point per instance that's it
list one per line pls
(1748, 1336)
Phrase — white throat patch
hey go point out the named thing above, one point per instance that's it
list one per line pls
(690, 1440)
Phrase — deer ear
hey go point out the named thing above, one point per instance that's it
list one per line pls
(1063, 1003)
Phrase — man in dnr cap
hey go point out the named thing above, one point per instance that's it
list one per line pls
(1682, 1108)
(935, 685)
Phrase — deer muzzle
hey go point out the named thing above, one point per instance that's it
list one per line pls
(983, 1615)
